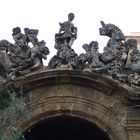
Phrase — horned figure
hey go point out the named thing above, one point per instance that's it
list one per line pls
(114, 33)
(114, 55)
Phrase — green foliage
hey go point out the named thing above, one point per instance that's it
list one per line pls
(3, 103)
(11, 113)
(17, 135)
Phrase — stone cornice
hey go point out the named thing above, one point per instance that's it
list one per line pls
(133, 124)
(83, 78)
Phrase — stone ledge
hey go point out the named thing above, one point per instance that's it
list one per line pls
(84, 78)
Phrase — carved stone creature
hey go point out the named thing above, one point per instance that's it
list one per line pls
(126, 72)
(115, 43)
(91, 58)
(23, 58)
(65, 57)
(130, 44)
(31, 35)
(114, 55)
(114, 33)
(134, 78)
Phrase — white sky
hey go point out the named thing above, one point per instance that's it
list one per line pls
(45, 15)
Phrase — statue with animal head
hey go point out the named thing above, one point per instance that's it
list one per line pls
(114, 54)
(114, 33)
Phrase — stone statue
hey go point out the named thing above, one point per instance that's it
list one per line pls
(126, 72)
(114, 33)
(20, 56)
(114, 55)
(31, 35)
(67, 32)
(130, 44)
(91, 58)
(115, 43)
(134, 78)
(120, 59)
(65, 57)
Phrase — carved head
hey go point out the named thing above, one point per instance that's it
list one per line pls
(42, 50)
(131, 43)
(16, 31)
(5, 45)
(18, 37)
(31, 31)
(135, 54)
(94, 45)
(86, 47)
(31, 35)
(111, 31)
(104, 30)
(71, 16)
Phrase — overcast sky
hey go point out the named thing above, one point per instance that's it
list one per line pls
(45, 15)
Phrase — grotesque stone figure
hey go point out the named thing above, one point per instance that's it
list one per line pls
(20, 56)
(126, 72)
(65, 57)
(91, 58)
(114, 33)
(115, 43)
(120, 59)
(130, 44)
(134, 78)
(31, 35)
(114, 55)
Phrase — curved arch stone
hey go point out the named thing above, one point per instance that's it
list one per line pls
(88, 110)
(77, 94)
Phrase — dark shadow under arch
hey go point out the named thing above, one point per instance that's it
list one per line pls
(65, 128)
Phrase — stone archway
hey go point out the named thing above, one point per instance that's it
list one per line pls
(71, 94)
(92, 113)
(65, 127)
